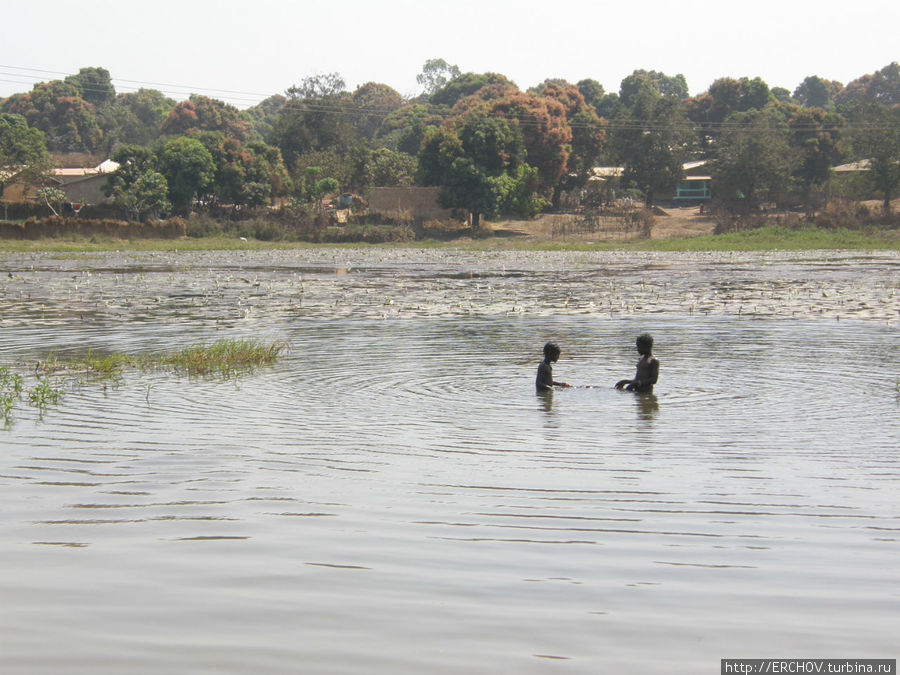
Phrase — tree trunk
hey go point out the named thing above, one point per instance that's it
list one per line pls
(476, 221)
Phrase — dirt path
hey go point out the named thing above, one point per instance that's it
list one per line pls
(667, 224)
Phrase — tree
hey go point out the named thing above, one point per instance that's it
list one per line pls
(404, 129)
(651, 142)
(478, 167)
(465, 85)
(188, 169)
(53, 197)
(136, 185)
(23, 155)
(593, 93)
(587, 131)
(263, 115)
(141, 115)
(315, 118)
(372, 103)
(251, 174)
(436, 73)
(94, 85)
(546, 135)
(753, 160)
(56, 108)
(882, 86)
(814, 136)
(640, 81)
(816, 92)
(146, 198)
(318, 87)
(382, 168)
(876, 138)
(201, 113)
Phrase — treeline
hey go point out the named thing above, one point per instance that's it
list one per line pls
(491, 147)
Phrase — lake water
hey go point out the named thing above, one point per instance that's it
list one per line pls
(393, 497)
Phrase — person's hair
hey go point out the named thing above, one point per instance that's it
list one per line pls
(645, 343)
(551, 348)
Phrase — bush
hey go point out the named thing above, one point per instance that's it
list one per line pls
(372, 234)
(58, 226)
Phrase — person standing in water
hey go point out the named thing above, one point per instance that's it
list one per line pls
(647, 372)
(544, 380)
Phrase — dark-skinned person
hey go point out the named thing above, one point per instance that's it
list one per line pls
(647, 372)
(544, 380)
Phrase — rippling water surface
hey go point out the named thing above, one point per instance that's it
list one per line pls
(393, 497)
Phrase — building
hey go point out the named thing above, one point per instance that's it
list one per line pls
(81, 185)
(694, 185)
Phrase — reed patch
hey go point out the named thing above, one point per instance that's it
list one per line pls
(54, 375)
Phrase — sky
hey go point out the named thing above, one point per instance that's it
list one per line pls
(244, 51)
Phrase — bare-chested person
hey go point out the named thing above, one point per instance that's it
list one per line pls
(647, 372)
(544, 380)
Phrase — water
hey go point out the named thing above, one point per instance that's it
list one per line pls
(393, 497)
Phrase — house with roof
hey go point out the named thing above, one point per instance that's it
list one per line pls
(694, 184)
(80, 185)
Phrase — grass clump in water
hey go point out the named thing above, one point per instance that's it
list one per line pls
(226, 357)
(43, 395)
(10, 392)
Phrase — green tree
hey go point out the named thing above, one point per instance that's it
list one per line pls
(753, 160)
(263, 115)
(23, 155)
(478, 167)
(315, 118)
(146, 198)
(640, 81)
(545, 132)
(53, 197)
(189, 170)
(94, 85)
(436, 74)
(251, 174)
(876, 138)
(466, 85)
(651, 143)
(815, 136)
(372, 103)
(816, 92)
(882, 86)
(592, 92)
(57, 109)
(136, 186)
(382, 168)
(141, 115)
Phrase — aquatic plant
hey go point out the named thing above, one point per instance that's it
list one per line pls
(110, 365)
(43, 395)
(226, 357)
(10, 392)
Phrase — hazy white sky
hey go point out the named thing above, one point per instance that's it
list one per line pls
(244, 51)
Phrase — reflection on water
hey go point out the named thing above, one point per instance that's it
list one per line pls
(392, 496)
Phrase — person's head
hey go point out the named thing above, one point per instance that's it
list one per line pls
(551, 351)
(644, 344)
